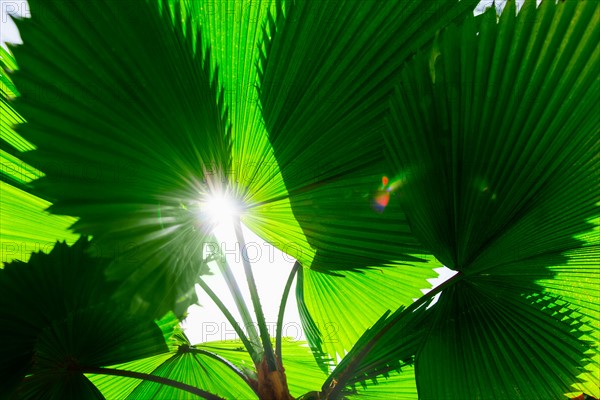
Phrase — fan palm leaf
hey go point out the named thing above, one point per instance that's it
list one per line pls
(121, 149)
(26, 226)
(398, 385)
(530, 179)
(233, 32)
(325, 83)
(324, 88)
(58, 320)
(343, 306)
(183, 363)
(499, 184)
(192, 365)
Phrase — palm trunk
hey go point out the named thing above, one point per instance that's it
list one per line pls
(272, 385)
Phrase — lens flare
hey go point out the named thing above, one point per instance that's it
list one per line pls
(381, 201)
(381, 197)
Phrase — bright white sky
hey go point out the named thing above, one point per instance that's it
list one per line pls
(271, 267)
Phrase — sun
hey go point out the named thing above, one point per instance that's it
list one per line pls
(220, 209)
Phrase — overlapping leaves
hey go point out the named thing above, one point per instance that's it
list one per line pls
(233, 31)
(516, 168)
(182, 363)
(26, 226)
(130, 131)
(149, 210)
(495, 183)
(57, 319)
(203, 365)
(325, 80)
(499, 184)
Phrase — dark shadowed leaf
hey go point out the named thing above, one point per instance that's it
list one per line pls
(324, 88)
(494, 140)
(512, 347)
(58, 318)
(26, 227)
(131, 133)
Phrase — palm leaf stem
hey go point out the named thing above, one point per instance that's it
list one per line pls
(238, 298)
(269, 354)
(247, 344)
(284, 297)
(153, 378)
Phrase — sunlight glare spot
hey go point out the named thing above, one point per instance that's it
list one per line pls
(220, 209)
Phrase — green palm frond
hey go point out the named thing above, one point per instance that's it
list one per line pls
(191, 364)
(198, 371)
(387, 346)
(324, 86)
(9, 138)
(232, 31)
(17, 171)
(58, 320)
(513, 347)
(488, 172)
(8, 63)
(472, 323)
(345, 305)
(525, 214)
(325, 77)
(27, 227)
(474, 345)
(498, 183)
(9, 117)
(113, 387)
(127, 151)
(397, 385)
(182, 363)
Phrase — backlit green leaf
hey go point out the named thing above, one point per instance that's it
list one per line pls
(131, 133)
